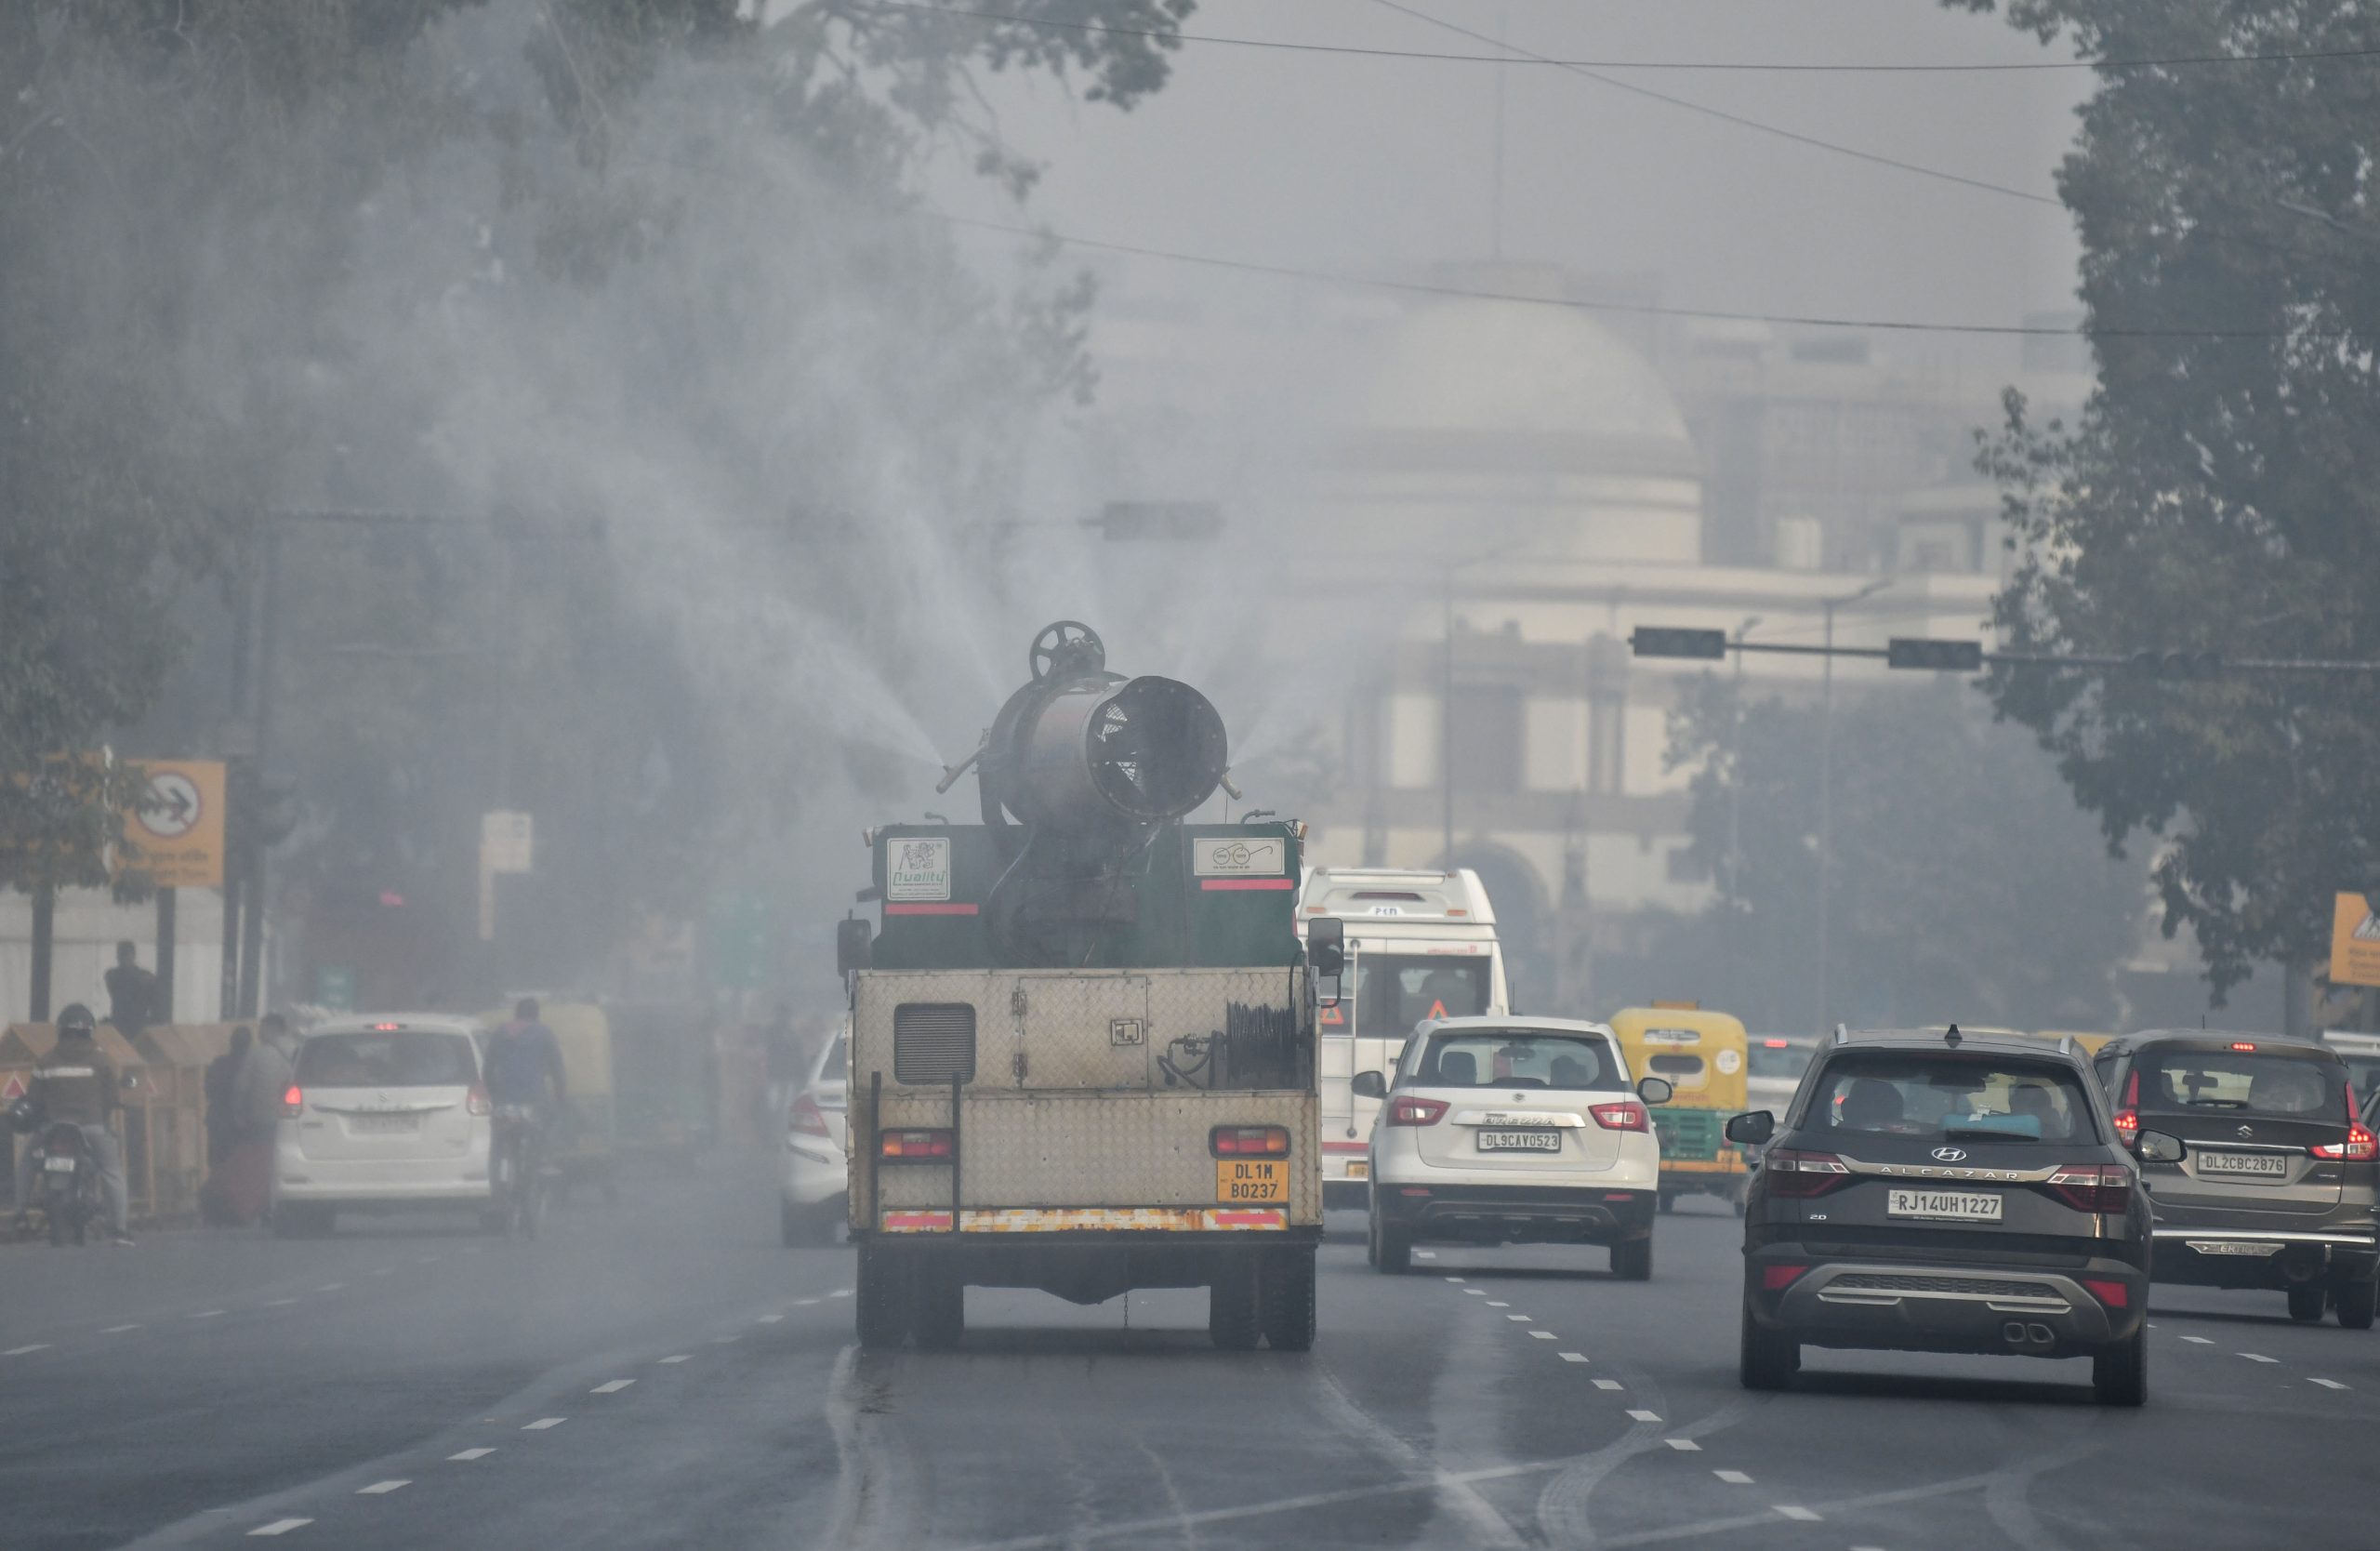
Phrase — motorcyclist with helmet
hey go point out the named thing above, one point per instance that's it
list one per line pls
(76, 1084)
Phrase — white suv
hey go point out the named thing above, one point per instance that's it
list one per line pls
(382, 1112)
(813, 1174)
(1510, 1130)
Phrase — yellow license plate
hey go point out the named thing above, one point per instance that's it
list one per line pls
(1242, 1180)
(1358, 1169)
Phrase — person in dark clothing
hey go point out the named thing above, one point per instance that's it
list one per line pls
(76, 1083)
(523, 1058)
(223, 1118)
(132, 993)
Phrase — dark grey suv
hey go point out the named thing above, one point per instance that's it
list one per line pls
(1944, 1193)
(2283, 1177)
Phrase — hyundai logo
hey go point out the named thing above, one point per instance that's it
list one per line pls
(1950, 1154)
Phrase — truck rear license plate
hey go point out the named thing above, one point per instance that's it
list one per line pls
(1948, 1206)
(1536, 1139)
(2270, 1164)
(1240, 1180)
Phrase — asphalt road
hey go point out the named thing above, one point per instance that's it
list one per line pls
(663, 1374)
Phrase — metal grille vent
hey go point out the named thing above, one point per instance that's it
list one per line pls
(933, 1042)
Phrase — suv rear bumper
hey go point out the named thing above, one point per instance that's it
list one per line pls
(1927, 1306)
(2233, 1258)
(1518, 1213)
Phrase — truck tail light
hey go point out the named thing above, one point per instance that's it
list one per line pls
(1627, 1114)
(1408, 1110)
(807, 1117)
(293, 1102)
(474, 1102)
(1248, 1140)
(1798, 1175)
(2102, 1187)
(915, 1144)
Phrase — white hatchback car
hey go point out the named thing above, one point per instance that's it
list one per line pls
(382, 1112)
(1503, 1130)
(815, 1176)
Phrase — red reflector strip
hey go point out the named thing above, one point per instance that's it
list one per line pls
(1346, 1146)
(1242, 885)
(917, 1222)
(1247, 1219)
(2115, 1295)
(1776, 1278)
(952, 910)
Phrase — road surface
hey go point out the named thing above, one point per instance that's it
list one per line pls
(663, 1373)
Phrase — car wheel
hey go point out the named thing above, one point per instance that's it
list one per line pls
(793, 1225)
(882, 1298)
(1632, 1259)
(2120, 1374)
(939, 1314)
(2305, 1303)
(1371, 1238)
(1768, 1359)
(1233, 1319)
(1667, 1202)
(2356, 1302)
(1287, 1312)
(1394, 1246)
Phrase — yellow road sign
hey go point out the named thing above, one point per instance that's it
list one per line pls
(175, 834)
(2355, 942)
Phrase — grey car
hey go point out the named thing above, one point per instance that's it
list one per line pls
(2283, 1177)
(1940, 1193)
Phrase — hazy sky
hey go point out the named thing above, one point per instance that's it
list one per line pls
(1384, 165)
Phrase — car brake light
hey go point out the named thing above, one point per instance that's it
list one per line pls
(1416, 1111)
(1799, 1175)
(2104, 1188)
(1627, 1114)
(805, 1117)
(293, 1101)
(2127, 1119)
(2360, 1145)
(2244, 1044)
(475, 1102)
(2115, 1295)
(1248, 1140)
(916, 1144)
(1776, 1278)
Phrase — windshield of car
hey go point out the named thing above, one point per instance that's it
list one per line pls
(2240, 1082)
(402, 1058)
(1778, 1058)
(1517, 1058)
(1393, 991)
(1939, 1097)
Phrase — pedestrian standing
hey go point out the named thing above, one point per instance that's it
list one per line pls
(257, 1084)
(223, 1124)
(132, 992)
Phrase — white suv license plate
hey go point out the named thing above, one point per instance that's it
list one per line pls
(1536, 1139)
(1943, 1206)
(2270, 1164)
(398, 1124)
(58, 1165)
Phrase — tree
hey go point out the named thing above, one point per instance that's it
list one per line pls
(2221, 491)
(1966, 887)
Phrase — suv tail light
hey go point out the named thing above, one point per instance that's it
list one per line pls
(915, 1144)
(1248, 1140)
(2103, 1187)
(1799, 1175)
(1416, 1111)
(474, 1102)
(806, 1117)
(2127, 1119)
(2360, 1145)
(1627, 1114)
(292, 1102)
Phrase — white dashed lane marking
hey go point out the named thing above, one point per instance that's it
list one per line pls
(2258, 1357)
(542, 1423)
(280, 1526)
(1478, 1293)
(207, 1314)
(1457, 1280)
(20, 1351)
(1493, 1304)
(1573, 1357)
(1684, 1445)
(611, 1386)
(771, 1318)
(330, 1287)
(118, 1329)
(1643, 1416)
(680, 1358)
(1733, 1477)
(279, 1302)
(1425, 1255)
(1802, 1516)
(1542, 1335)
(1522, 1317)
(381, 1489)
(472, 1454)
(841, 1293)
(2327, 1383)
(1606, 1384)
(803, 1303)
(2198, 1341)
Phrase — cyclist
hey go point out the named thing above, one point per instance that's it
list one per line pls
(526, 1080)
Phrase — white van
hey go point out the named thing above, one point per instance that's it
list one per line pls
(1420, 944)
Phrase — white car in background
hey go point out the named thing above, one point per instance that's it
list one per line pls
(1505, 1129)
(383, 1112)
(814, 1174)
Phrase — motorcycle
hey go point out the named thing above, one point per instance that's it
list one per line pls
(67, 1182)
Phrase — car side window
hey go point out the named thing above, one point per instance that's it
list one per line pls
(2104, 1068)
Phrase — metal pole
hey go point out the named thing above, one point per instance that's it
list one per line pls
(252, 920)
(1495, 184)
(1826, 813)
(45, 924)
(163, 1012)
(227, 996)
(1736, 769)
(1446, 721)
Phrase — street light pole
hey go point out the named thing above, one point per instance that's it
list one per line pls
(1735, 770)
(1826, 794)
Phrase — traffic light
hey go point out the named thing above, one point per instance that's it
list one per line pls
(1939, 657)
(265, 810)
(1653, 640)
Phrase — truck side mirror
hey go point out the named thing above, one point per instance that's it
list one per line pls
(1752, 1130)
(1325, 955)
(854, 945)
(1370, 1085)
